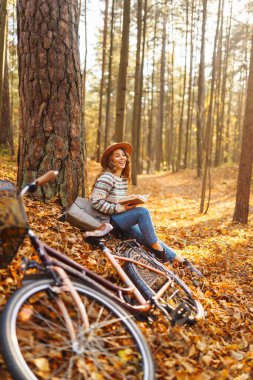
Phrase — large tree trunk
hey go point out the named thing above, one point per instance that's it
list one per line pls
(245, 169)
(51, 126)
(122, 76)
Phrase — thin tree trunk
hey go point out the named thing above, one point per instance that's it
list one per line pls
(201, 93)
(208, 136)
(220, 102)
(189, 105)
(102, 81)
(122, 76)
(159, 141)
(140, 168)
(245, 168)
(150, 142)
(180, 129)
(136, 109)
(3, 26)
(109, 83)
(6, 133)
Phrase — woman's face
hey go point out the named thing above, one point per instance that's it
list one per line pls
(119, 159)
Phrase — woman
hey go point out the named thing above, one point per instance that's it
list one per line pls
(135, 222)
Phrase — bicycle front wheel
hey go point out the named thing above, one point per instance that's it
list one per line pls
(36, 343)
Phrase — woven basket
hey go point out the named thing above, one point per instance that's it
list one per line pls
(13, 224)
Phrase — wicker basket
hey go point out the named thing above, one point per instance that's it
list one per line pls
(13, 224)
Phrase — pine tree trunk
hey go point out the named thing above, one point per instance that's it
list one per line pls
(122, 76)
(102, 81)
(137, 81)
(181, 122)
(189, 105)
(245, 169)
(51, 126)
(6, 133)
(150, 142)
(201, 93)
(109, 82)
(208, 135)
(159, 141)
(3, 25)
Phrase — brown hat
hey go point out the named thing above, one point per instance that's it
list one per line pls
(123, 145)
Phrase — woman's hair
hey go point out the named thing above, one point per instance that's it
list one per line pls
(126, 172)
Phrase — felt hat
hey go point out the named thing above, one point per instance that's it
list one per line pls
(122, 145)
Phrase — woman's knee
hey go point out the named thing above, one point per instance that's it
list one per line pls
(143, 211)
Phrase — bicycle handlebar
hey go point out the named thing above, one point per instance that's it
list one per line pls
(52, 174)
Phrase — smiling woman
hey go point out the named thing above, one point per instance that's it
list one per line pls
(133, 222)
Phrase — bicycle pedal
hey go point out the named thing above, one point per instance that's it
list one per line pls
(180, 315)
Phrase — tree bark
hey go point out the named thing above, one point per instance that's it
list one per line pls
(122, 76)
(51, 126)
(241, 211)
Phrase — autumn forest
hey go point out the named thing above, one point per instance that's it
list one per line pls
(174, 79)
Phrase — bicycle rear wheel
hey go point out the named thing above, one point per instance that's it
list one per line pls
(148, 282)
(36, 343)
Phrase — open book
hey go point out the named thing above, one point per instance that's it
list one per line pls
(134, 199)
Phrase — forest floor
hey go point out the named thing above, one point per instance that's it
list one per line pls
(221, 346)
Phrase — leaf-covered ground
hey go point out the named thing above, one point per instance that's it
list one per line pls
(221, 346)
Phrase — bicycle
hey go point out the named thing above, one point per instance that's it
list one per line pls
(67, 322)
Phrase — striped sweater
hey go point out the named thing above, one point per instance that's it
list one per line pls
(107, 192)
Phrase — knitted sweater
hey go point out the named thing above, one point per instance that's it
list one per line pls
(107, 192)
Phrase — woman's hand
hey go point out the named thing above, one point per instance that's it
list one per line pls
(129, 205)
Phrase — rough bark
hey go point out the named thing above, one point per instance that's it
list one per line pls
(51, 125)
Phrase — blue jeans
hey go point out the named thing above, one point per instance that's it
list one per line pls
(137, 224)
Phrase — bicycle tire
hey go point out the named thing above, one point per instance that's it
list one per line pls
(149, 282)
(36, 344)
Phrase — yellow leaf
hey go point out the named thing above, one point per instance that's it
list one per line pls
(42, 364)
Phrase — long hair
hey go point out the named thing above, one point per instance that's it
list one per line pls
(110, 167)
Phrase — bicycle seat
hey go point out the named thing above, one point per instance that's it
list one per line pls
(102, 231)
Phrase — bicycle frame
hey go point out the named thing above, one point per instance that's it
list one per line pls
(52, 258)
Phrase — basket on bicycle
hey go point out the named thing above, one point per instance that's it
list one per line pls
(13, 224)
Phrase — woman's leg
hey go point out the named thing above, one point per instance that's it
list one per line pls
(134, 232)
(137, 223)
(141, 217)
